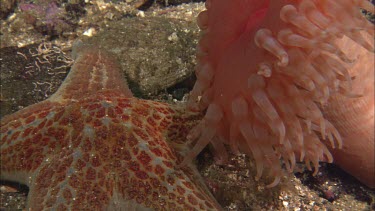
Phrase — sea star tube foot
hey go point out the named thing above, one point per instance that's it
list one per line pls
(92, 146)
(276, 69)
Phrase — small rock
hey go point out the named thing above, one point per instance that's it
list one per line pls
(155, 53)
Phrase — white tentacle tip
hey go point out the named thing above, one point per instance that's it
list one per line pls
(284, 60)
(264, 70)
(264, 39)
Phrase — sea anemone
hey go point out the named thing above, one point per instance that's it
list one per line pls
(265, 71)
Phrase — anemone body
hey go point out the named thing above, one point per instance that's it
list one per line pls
(272, 73)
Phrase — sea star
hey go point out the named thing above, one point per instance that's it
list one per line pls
(93, 146)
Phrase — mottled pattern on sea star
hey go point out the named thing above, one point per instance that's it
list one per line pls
(92, 146)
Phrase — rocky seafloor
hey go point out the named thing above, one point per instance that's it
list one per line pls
(155, 43)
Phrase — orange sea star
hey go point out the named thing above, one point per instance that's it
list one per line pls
(92, 146)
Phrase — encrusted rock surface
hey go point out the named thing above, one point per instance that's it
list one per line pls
(154, 52)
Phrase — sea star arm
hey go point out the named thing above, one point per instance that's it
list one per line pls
(23, 147)
(92, 72)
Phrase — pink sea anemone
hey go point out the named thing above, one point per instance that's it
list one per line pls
(267, 70)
